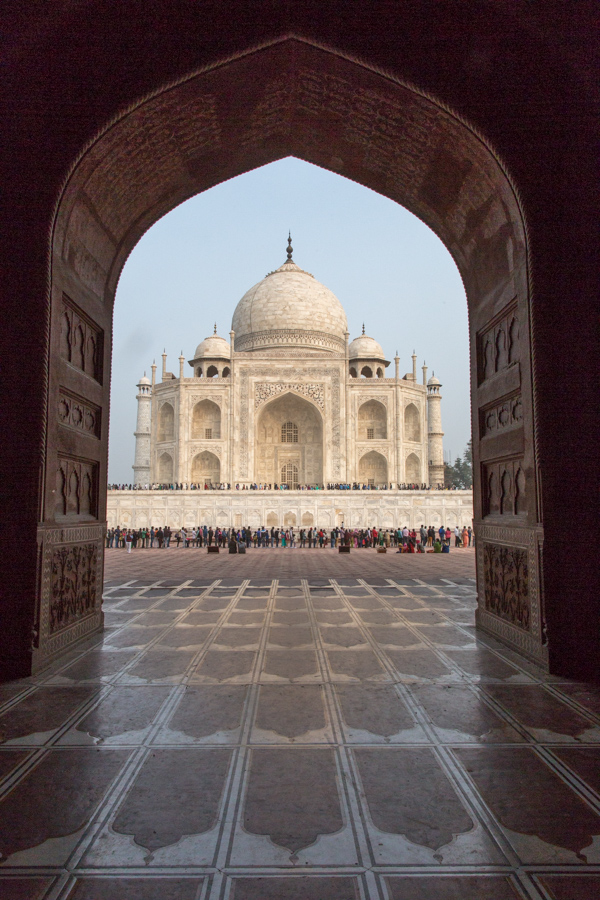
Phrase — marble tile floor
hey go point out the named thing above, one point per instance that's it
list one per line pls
(303, 738)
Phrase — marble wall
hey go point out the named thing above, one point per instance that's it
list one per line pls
(356, 509)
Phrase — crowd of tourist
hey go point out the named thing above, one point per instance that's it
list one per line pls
(263, 486)
(403, 540)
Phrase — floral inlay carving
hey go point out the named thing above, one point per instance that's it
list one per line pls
(266, 390)
(506, 584)
(73, 584)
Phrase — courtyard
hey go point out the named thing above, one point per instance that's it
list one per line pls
(297, 724)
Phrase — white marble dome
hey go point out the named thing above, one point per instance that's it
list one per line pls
(365, 347)
(289, 308)
(213, 347)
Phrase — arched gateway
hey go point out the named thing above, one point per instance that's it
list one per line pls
(350, 118)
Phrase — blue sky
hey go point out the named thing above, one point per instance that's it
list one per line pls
(387, 268)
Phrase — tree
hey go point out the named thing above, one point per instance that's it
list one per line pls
(460, 474)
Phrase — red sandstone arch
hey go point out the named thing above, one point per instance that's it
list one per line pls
(329, 113)
(319, 106)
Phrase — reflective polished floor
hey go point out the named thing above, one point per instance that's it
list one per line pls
(237, 735)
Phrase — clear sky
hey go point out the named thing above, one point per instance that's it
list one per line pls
(387, 268)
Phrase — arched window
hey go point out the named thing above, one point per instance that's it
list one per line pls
(373, 469)
(366, 372)
(413, 468)
(289, 476)
(206, 421)
(289, 434)
(166, 422)
(372, 421)
(206, 468)
(412, 427)
(353, 372)
(165, 468)
(212, 371)
(226, 372)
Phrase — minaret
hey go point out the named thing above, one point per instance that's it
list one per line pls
(141, 466)
(424, 367)
(435, 433)
(414, 371)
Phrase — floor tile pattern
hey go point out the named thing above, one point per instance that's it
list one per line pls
(303, 737)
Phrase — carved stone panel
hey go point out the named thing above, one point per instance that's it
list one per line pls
(70, 606)
(508, 576)
(81, 340)
(76, 493)
(504, 488)
(74, 588)
(82, 415)
(498, 344)
(506, 584)
(499, 416)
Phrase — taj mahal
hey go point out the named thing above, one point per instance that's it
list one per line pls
(289, 423)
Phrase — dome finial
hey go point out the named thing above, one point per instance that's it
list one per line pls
(363, 331)
(290, 249)
(215, 331)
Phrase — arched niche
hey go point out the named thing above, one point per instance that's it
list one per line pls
(212, 372)
(308, 519)
(353, 372)
(344, 116)
(372, 421)
(166, 423)
(412, 469)
(206, 468)
(289, 431)
(412, 423)
(272, 519)
(373, 469)
(206, 421)
(366, 372)
(164, 469)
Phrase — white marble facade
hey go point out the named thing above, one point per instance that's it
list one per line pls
(323, 509)
(289, 399)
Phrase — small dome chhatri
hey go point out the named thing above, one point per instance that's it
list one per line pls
(289, 308)
(365, 347)
(214, 347)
